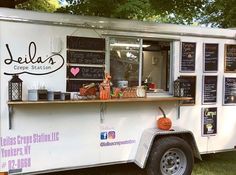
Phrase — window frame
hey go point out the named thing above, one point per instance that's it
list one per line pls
(171, 58)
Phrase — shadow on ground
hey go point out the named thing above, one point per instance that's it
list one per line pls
(122, 169)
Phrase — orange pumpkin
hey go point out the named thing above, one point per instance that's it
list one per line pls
(164, 123)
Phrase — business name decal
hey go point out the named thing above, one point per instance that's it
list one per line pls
(17, 152)
(32, 63)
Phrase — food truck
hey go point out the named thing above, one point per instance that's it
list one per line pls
(79, 91)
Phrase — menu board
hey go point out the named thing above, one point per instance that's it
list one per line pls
(188, 57)
(85, 43)
(85, 61)
(188, 87)
(209, 89)
(229, 91)
(230, 58)
(82, 72)
(209, 121)
(81, 57)
(211, 57)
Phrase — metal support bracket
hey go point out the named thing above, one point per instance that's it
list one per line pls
(178, 110)
(10, 115)
(102, 112)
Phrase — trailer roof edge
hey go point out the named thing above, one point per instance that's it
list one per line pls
(93, 22)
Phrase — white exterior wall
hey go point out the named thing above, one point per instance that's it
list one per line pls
(77, 131)
(191, 115)
(78, 127)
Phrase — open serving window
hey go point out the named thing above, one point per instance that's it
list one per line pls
(125, 61)
(135, 61)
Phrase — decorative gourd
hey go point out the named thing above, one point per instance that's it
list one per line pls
(164, 123)
(105, 89)
(104, 93)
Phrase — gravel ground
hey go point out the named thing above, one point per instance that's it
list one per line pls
(123, 169)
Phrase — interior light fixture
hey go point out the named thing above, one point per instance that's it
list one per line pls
(128, 45)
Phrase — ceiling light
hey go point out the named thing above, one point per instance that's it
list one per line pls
(128, 45)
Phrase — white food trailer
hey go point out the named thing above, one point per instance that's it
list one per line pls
(57, 53)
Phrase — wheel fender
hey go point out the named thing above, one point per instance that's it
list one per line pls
(149, 135)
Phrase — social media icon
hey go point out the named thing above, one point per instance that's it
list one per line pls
(111, 135)
(103, 135)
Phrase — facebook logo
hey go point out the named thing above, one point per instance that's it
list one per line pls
(103, 135)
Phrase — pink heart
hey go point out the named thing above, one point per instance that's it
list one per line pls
(74, 71)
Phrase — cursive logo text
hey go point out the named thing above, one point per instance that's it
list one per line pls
(32, 63)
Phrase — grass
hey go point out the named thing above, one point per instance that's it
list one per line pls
(216, 164)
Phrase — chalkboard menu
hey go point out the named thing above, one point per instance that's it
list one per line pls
(188, 57)
(229, 91)
(188, 88)
(80, 57)
(85, 72)
(230, 58)
(85, 61)
(209, 121)
(209, 89)
(85, 43)
(210, 57)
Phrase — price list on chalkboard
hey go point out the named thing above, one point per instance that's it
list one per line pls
(230, 58)
(85, 43)
(209, 89)
(229, 91)
(82, 72)
(210, 57)
(79, 57)
(188, 57)
(209, 121)
(85, 61)
(188, 88)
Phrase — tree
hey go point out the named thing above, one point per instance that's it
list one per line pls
(179, 11)
(216, 13)
(219, 13)
(126, 9)
(40, 5)
(153, 10)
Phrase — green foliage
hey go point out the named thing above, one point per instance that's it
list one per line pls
(126, 9)
(181, 11)
(40, 5)
(219, 13)
(135, 9)
(148, 10)
(215, 13)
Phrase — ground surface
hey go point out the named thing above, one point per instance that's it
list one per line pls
(213, 164)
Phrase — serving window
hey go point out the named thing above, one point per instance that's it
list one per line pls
(156, 65)
(136, 62)
(124, 61)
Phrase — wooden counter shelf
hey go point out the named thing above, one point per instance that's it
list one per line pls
(11, 104)
(114, 100)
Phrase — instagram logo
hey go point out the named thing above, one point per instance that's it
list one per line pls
(111, 135)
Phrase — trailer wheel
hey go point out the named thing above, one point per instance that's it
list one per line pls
(170, 156)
